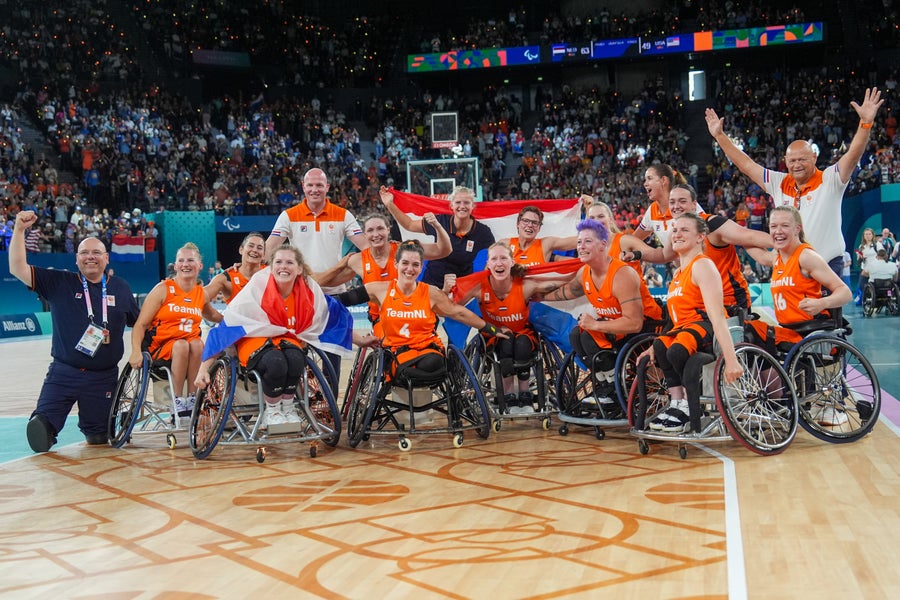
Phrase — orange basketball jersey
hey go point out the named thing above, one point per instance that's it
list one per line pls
(789, 286)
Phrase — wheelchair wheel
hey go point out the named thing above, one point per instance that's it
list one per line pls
(482, 365)
(353, 380)
(894, 300)
(837, 389)
(466, 393)
(552, 359)
(626, 369)
(572, 386)
(868, 300)
(131, 390)
(315, 385)
(362, 404)
(212, 407)
(654, 382)
(759, 408)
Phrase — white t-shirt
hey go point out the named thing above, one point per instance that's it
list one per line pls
(879, 269)
(819, 204)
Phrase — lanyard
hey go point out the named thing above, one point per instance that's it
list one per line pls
(87, 299)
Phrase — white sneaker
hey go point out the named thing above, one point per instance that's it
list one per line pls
(828, 415)
(290, 411)
(184, 406)
(272, 415)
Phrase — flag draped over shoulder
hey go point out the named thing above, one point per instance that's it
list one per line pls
(127, 248)
(552, 320)
(560, 216)
(330, 324)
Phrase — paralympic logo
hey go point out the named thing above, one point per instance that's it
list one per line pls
(229, 226)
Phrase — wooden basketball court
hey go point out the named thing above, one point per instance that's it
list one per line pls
(526, 513)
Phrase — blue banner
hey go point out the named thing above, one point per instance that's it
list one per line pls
(260, 223)
(19, 325)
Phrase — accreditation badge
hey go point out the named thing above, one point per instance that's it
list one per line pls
(91, 339)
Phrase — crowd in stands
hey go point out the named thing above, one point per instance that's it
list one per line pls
(143, 148)
(311, 52)
(66, 43)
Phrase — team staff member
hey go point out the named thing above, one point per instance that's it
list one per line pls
(619, 308)
(172, 313)
(696, 311)
(816, 194)
(318, 228)
(233, 279)
(527, 248)
(408, 312)
(467, 236)
(89, 312)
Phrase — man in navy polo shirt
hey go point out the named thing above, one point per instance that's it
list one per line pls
(89, 312)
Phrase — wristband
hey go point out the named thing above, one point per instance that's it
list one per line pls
(865, 125)
(638, 255)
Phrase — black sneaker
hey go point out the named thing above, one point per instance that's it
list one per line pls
(40, 433)
(97, 439)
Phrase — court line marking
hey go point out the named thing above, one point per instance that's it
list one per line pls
(734, 543)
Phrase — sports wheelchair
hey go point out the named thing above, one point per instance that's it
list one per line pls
(544, 365)
(759, 409)
(881, 294)
(384, 404)
(134, 413)
(229, 410)
(836, 385)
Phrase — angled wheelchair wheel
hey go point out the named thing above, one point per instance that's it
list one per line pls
(570, 383)
(353, 380)
(482, 364)
(362, 404)
(837, 389)
(131, 390)
(465, 394)
(551, 361)
(868, 300)
(626, 368)
(315, 385)
(212, 407)
(759, 409)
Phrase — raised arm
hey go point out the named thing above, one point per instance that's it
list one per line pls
(18, 257)
(743, 162)
(403, 219)
(866, 111)
(442, 247)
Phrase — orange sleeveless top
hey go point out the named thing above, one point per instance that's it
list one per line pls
(238, 281)
(789, 286)
(684, 300)
(178, 318)
(511, 312)
(408, 320)
(533, 256)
